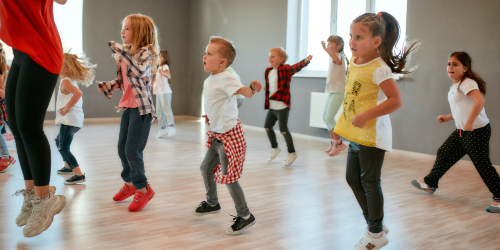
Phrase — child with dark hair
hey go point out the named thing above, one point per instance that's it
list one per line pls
(473, 133)
(371, 95)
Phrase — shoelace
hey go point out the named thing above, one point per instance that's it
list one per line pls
(25, 204)
(236, 220)
(202, 204)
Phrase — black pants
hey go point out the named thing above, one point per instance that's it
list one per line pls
(281, 116)
(364, 167)
(27, 96)
(476, 144)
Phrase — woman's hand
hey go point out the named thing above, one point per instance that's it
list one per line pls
(64, 110)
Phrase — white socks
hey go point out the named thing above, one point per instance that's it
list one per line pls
(376, 235)
(246, 217)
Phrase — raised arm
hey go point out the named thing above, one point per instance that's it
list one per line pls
(300, 65)
(332, 54)
(140, 66)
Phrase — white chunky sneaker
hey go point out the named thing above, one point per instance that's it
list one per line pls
(274, 153)
(384, 228)
(23, 217)
(171, 131)
(368, 242)
(162, 133)
(42, 215)
(290, 159)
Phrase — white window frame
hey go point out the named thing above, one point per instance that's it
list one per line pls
(295, 41)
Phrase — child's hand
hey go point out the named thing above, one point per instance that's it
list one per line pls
(64, 111)
(468, 126)
(359, 120)
(308, 58)
(443, 118)
(206, 119)
(323, 43)
(256, 85)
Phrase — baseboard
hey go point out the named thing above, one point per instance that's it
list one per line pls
(117, 119)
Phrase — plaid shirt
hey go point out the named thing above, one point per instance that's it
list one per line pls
(285, 73)
(138, 75)
(235, 146)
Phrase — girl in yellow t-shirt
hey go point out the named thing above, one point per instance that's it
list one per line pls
(370, 96)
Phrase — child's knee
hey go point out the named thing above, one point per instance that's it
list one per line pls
(284, 133)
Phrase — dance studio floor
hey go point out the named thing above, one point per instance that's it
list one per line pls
(305, 206)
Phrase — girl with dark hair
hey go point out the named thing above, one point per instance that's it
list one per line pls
(472, 136)
(371, 95)
(163, 92)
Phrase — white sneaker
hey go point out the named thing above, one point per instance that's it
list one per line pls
(384, 228)
(370, 243)
(290, 159)
(29, 195)
(43, 213)
(162, 133)
(274, 153)
(172, 131)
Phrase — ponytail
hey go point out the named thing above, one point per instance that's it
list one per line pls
(385, 26)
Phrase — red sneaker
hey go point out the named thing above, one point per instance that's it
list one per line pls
(140, 200)
(124, 193)
(5, 164)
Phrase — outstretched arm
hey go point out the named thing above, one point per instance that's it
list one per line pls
(300, 65)
(255, 86)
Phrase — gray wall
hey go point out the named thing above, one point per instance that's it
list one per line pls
(102, 22)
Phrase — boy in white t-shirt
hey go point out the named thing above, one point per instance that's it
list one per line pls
(223, 162)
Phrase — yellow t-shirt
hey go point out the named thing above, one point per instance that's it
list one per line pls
(362, 93)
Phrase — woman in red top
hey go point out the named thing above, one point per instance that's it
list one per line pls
(29, 28)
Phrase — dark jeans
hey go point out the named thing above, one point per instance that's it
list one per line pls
(3, 131)
(476, 144)
(27, 96)
(63, 142)
(364, 166)
(281, 116)
(134, 133)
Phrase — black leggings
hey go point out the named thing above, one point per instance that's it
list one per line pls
(27, 96)
(281, 116)
(477, 145)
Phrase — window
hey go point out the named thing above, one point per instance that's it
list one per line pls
(311, 21)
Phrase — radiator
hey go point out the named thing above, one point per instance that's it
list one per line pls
(318, 102)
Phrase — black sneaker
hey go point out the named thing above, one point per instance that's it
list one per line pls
(240, 225)
(204, 209)
(65, 170)
(75, 179)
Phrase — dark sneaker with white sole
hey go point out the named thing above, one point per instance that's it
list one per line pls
(240, 225)
(65, 170)
(204, 209)
(75, 179)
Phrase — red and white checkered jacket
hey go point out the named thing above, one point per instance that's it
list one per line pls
(235, 146)
(285, 73)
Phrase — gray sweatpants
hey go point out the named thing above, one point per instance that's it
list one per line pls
(215, 155)
(364, 166)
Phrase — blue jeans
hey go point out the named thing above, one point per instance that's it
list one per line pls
(63, 142)
(134, 133)
(4, 151)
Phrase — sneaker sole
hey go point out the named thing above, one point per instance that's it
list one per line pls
(271, 159)
(52, 215)
(74, 182)
(492, 211)
(193, 212)
(417, 186)
(241, 231)
(65, 173)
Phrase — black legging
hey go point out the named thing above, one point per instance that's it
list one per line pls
(281, 116)
(27, 96)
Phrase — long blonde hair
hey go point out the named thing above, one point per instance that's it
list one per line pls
(145, 34)
(80, 69)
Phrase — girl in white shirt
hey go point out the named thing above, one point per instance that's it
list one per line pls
(472, 136)
(69, 112)
(163, 92)
(335, 87)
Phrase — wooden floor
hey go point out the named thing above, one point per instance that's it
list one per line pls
(305, 206)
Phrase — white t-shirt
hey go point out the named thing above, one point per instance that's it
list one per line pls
(75, 115)
(231, 70)
(336, 77)
(161, 85)
(273, 87)
(461, 105)
(220, 101)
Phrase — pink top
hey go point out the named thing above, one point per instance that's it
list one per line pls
(128, 99)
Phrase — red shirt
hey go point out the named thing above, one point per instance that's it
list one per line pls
(128, 98)
(29, 27)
